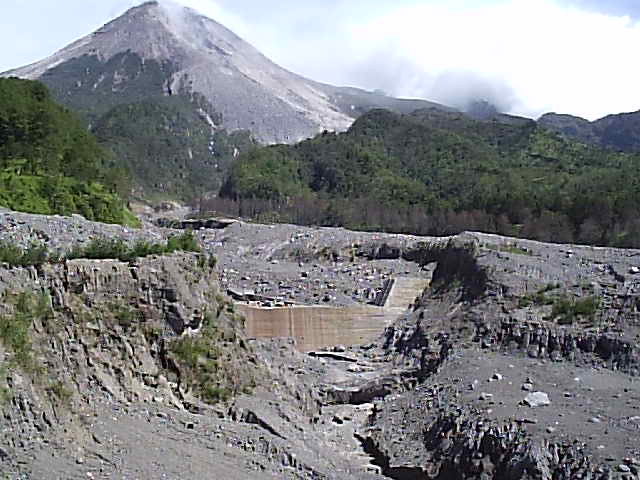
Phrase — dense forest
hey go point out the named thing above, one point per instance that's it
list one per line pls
(435, 173)
(169, 150)
(50, 164)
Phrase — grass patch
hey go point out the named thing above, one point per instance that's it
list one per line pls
(115, 248)
(568, 310)
(515, 249)
(510, 248)
(16, 257)
(14, 330)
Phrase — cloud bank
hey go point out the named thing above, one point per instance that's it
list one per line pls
(528, 58)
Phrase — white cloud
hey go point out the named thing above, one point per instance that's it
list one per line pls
(531, 57)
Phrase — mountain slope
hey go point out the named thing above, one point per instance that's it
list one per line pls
(619, 132)
(435, 173)
(177, 96)
(151, 51)
(49, 163)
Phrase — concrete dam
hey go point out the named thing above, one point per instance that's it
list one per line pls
(315, 327)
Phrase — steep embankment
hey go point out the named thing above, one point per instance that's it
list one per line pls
(527, 374)
(83, 335)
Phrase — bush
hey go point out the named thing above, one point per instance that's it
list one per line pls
(35, 255)
(186, 242)
(60, 391)
(214, 394)
(100, 249)
(566, 310)
(203, 364)
(10, 254)
(4, 390)
(16, 257)
(142, 248)
(105, 248)
(14, 330)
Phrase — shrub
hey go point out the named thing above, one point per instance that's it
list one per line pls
(125, 315)
(566, 310)
(4, 390)
(214, 394)
(60, 391)
(539, 298)
(204, 366)
(186, 242)
(143, 248)
(10, 254)
(35, 254)
(105, 248)
(14, 330)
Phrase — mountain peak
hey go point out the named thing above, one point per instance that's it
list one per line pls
(195, 55)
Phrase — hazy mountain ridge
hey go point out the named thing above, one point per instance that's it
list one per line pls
(619, 132)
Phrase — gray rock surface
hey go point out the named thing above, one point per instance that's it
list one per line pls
(537, 399)
(400, 407)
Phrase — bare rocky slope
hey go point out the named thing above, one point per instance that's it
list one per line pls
(520, 361)
(176, 51)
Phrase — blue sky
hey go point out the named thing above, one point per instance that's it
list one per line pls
(528, 56)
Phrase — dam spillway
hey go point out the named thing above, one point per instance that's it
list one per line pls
(314, 327)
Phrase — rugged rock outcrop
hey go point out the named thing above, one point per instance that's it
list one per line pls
(109, 331)
(464, 416)
(145, 364)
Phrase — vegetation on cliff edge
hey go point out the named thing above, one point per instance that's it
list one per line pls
(100, 249)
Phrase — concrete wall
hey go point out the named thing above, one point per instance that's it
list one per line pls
(316, 327)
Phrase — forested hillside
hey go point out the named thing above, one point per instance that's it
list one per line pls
(49, 163)
(169, 150)
(435, 172)
(169, 140)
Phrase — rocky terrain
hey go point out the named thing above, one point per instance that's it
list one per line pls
(518, 362)
(304, 265)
